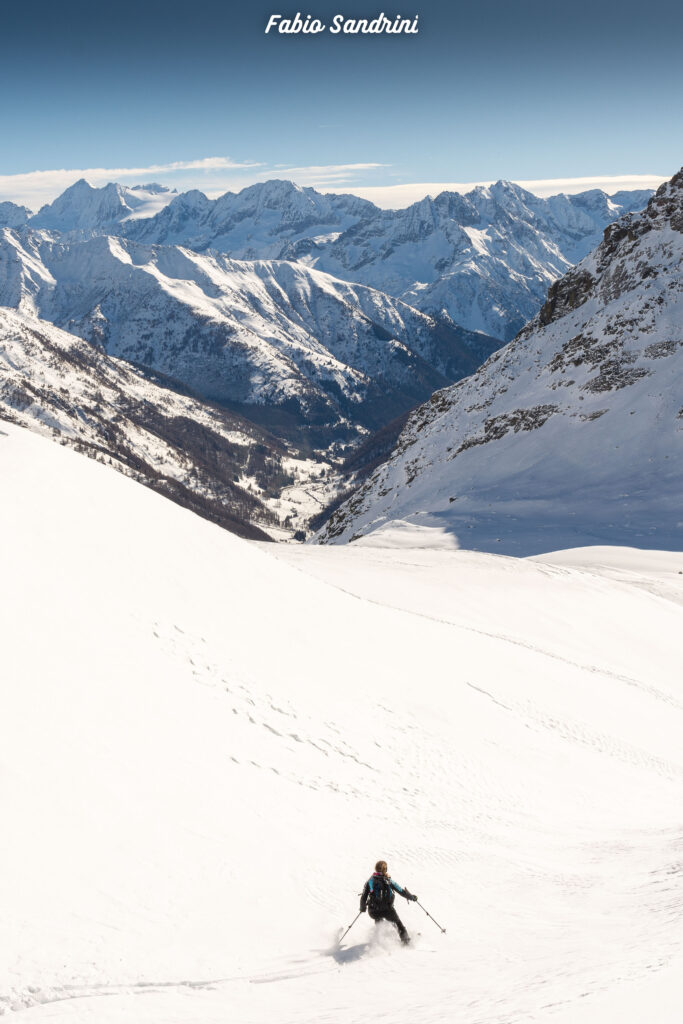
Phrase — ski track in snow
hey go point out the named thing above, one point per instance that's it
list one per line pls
(575, 732)
(517, 641)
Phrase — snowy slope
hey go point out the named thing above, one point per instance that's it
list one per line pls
(570, 435)
(204, 752)
(203, 457)
(252, 334)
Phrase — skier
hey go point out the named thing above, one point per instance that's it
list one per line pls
(378, 899)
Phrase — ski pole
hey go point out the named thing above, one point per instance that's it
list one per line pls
(350, 927)
(443, 930)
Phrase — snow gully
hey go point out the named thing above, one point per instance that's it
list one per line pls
(341, 24)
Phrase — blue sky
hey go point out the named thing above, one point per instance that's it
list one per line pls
(522, 91)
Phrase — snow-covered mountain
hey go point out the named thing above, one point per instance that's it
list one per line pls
(484, 259)
(206, 744)
(255, 223)
(260, 335)
(83, 208)
(310, 355)
(200, 456)
(573, 433)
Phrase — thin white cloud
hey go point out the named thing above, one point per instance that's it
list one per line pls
(325, 177)
(213, 175)
(332, 168)
(34, 188)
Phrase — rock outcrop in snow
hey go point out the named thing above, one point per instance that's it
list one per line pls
(572, 434)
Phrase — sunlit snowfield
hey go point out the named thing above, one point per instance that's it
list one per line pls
(206, 744)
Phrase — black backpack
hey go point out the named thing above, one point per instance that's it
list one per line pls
(382, 894)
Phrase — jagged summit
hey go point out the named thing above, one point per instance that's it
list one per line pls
(262, 221)
(484, 259)
(275, 189)
(573, 433)
(80, 186)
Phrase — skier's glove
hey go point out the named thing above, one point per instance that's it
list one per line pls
(363, 909)
(411, 897)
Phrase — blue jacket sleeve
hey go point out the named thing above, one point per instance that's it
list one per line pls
(404, 891)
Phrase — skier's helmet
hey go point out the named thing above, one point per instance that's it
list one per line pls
(381, 867)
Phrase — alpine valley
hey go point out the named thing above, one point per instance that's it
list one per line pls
(313, 322)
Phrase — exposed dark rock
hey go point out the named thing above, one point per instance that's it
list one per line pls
(614, 375)
(570, 291)
(661, 349)
(496, 427)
